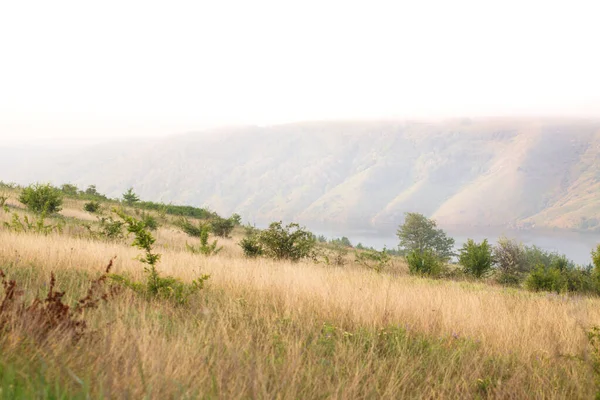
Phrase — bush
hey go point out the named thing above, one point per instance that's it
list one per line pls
(204, 248)
(41, 198)
(476, 259)
(130, 198)
(511, 261)
(251, 247)
(149, 221)
(189, 228)
(291, 242)
(155, 285)
(424, 263)
(92, 206)
(373, 259)
(222, 227)
(549, 279)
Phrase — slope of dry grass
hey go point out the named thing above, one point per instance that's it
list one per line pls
(265, 329)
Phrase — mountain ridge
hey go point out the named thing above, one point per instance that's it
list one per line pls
(503, 172)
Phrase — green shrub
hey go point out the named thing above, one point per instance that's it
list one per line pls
(204, 248)
(150, 222)
(189, 228)
(41, 198)
(69, 190)
(92, 206)
(373, 259)
(291, 242)
(222, 227)
(424, 262)
(511, 261)
(251, 247)
(130, 198)
(110, 228)
(155, 285)
(476, 259)
(548, 279)
(236, 219)
(33, 225)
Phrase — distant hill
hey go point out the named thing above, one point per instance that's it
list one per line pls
(517, 173)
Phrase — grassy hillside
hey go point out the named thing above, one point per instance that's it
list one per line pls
(495, 172)
(275, 329)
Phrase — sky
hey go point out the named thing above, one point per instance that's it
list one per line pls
(81, 70)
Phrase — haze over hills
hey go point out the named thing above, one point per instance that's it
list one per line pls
(522, 173)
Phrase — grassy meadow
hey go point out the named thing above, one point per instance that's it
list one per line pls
(267, 329)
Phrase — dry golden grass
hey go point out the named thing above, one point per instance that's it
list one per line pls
(257, 330)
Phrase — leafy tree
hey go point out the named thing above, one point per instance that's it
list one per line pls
(91, 191)
(476, 259)
(419, 233)
(69, 190)
(205, 248)
(130, 198)
(251, 246)
(290, 242)
(511, 260)
(41, 198)
(92, 206)
(222, 227)
(236, 219)
(424, 262)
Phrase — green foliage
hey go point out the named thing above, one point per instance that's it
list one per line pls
(291, 242)
(69, 190)
(321, 239)
(92, 193)
(549, 279)
(130, 198)
(511, 261)
(92, 206)
(150, 222)
(251, 246)
(205, 248)
(343, 241)
(180, 211)
(222, 227)
(35, 225)
(418, 233)
(476, 259)
(373, 259)
(155, 286)
(41, 198)
(189, 228)
(424, 262)
(594, 340)
(236, 219)
(110, 228)
(3, 199)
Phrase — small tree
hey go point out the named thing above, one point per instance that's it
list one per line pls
(511, 260)
(222, 227)
(291, 242)
(476, 259)
(424, 262)
(373, 259)
(69, 190)
(236, 219)
(419, 233)
(130, 198)
(92, 206)
(41, 198)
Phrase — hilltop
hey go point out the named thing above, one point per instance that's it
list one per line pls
(515, 173)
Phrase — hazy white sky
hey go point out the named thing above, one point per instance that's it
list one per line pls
(113, 68)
